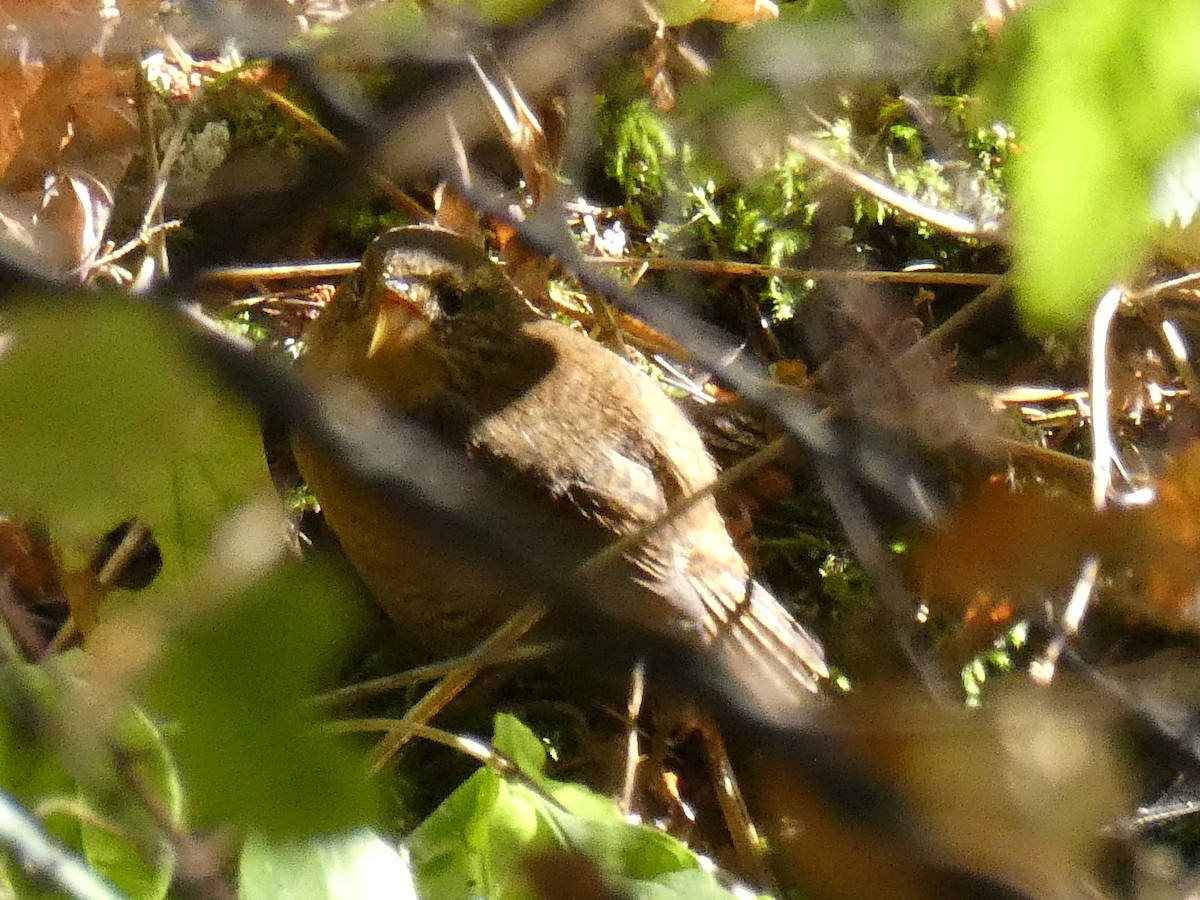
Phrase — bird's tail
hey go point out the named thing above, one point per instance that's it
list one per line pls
(771, 656)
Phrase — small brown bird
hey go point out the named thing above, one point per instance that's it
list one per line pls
(435, 329)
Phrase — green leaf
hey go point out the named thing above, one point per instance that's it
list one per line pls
(1098, 91)
(235, 682)
(477, 841)
(29, 772)
(106, 417)
(354, 866)
(507, 12)
(33, 772)
(681, 12)
(112, 855)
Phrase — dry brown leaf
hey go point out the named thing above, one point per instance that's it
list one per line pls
(44, 120)
(1020, 791)
(454, 213)
(1160, 544)
(1005, 549)
(28, 563)
(66, 140)
(18, 82)
(1022, 546)
(656, 75)
(530, 272)
(73, 221)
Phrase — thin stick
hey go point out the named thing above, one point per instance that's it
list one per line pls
(633, 754)
(43, 858)
(1104, 455)
(1042, 669)
(419, 675)
(156, 255)
(150, 232)
(470, 746)
(947, 221)
(744, 834)
(439, 696)
(1169, 285)
(1103, 450)
(938, 339)
(733, 268)
(1061, 464)
(297, 271)
(199, 862)
(728, 477)
(1179, 353)
(760, 270)
(322, 135)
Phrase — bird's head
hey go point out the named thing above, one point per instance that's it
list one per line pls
(424, 305)
(419, 283)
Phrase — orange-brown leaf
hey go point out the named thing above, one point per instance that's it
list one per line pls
(1021, 546)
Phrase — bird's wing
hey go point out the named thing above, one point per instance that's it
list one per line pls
(623, 464)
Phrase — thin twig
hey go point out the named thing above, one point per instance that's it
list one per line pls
(441, 694)
(285, 272)
(387, 684)
(759, 270)
(947, 221)
(633, 755)
(746, 840)
(1104, 455)
(1064, 465)
(727, 478)
(142, 240)
(43, 858)
(1179, 354)
(237, 274)
(1103, 450)
(473, 747)
(150, 233)
(323, 136)
(940, 338)
(122, 556)
(152, 216)
(1042, 669)
(1169, 285)
(199, 861)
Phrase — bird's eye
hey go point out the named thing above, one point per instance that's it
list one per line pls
(451, 302)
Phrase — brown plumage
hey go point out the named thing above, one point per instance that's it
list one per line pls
(435, 328)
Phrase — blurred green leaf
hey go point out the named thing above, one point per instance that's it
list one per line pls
(507, 12)
(1098, 91)
(73, 802)
(354, 866)
(29, 772)
(680, 12)
(377, 30)
(477, 842)
(107, 417)
(114, 856)
(235, 681)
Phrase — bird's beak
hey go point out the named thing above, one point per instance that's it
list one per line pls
(397, 325)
